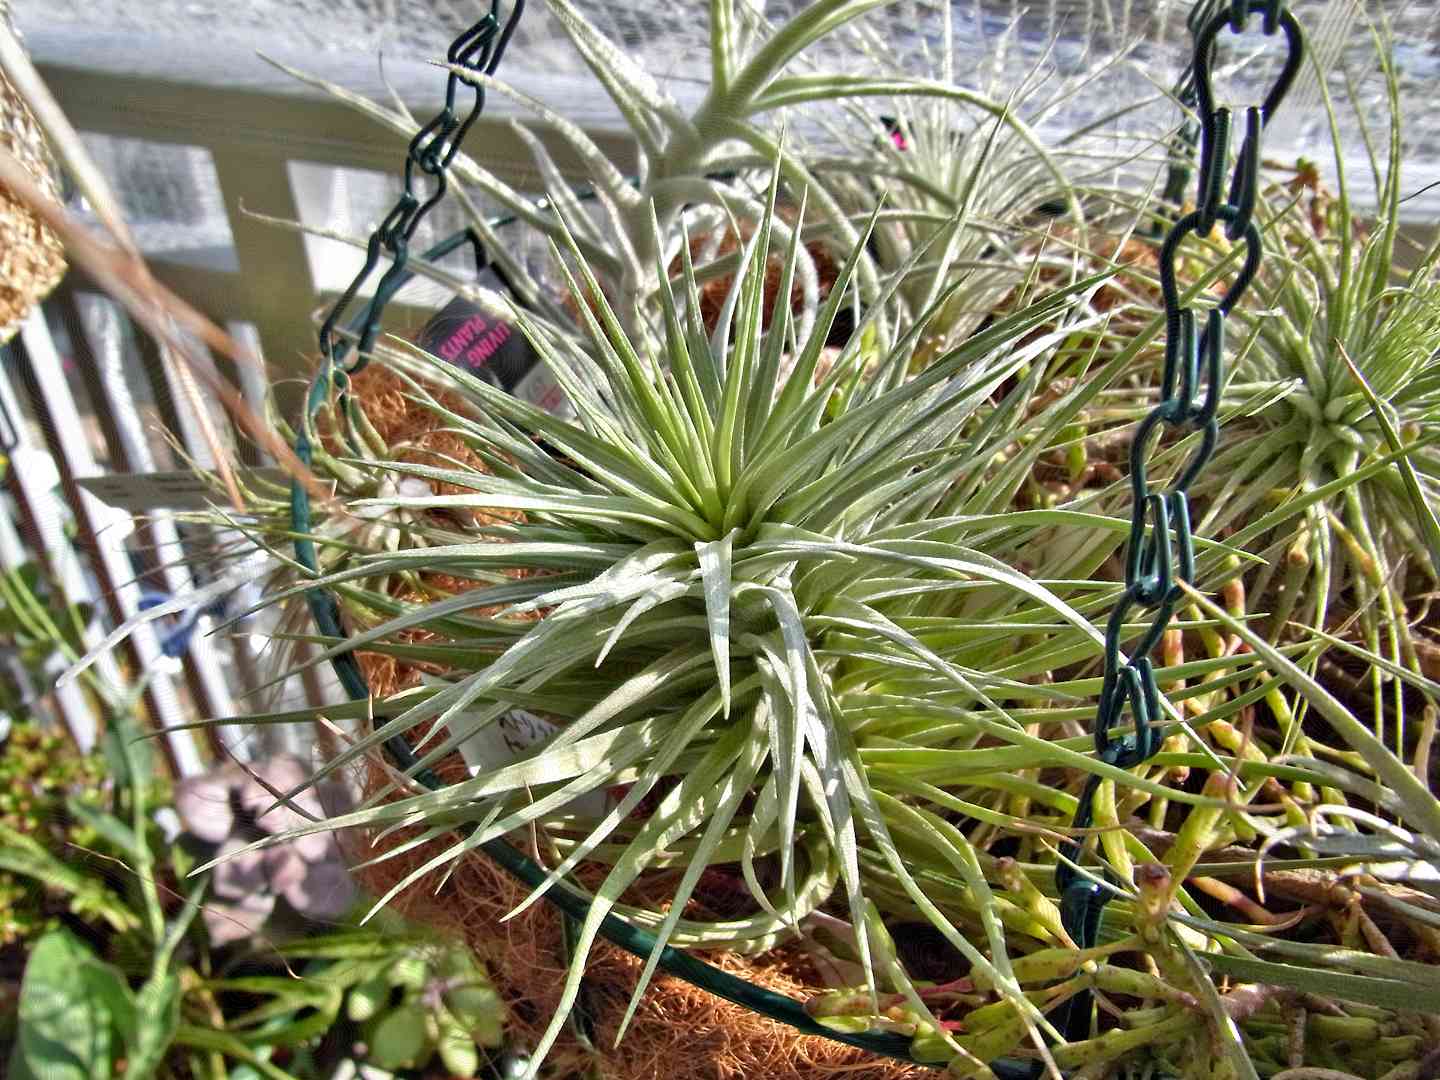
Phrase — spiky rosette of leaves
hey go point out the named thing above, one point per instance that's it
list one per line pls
(977, 153)
(705, 159)
(712, 155)
(727, 538)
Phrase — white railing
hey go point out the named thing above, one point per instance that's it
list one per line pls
(92, 393)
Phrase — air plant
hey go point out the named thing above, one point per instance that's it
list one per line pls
(721, 560)
(794, 621)
(798, 640)
(704, 172)
(985, 154)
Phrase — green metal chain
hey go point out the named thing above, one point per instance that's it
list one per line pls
(1189, 401)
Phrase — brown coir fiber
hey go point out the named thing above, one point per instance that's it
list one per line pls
(679, 1031)
(415, 434)
(714, 292)
(32, 261)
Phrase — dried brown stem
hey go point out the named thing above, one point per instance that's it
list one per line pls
(125, 277)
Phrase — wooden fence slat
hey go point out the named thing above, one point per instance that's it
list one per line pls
(95, 333)
(44, 535)
(281, 310)
(70, 707)
(101, 532)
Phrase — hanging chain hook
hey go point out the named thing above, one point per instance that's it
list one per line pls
(431, 152)
(1160, 551)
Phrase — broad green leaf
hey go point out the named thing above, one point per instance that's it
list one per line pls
(65, 1025)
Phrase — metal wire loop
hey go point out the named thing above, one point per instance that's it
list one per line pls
(1245, 184)
(1144, 645)
(1191, 223)
(1193, 363)
(1161, 547)
(431, 152)
(1135, 686)
(1275, 16)
(1214, 153)
(1148, 570)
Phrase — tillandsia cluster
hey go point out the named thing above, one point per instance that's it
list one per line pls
(1334, 474)
(804, 629)
(721, 561)
(702, 171)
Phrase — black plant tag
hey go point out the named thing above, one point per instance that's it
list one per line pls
(463, 334)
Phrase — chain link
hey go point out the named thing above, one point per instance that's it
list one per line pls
(427, 162)
(431, 152)
(1161, 550)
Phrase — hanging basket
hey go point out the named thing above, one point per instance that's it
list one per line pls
(32, 261)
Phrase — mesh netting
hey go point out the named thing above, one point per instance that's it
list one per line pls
(998, 44)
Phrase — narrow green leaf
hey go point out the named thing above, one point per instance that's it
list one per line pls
(1421, 807)
(1363, 989)
(715, 559)
(1424, 513)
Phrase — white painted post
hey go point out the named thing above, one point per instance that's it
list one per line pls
(105, 529)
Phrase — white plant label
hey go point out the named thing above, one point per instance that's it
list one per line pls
(508, 739)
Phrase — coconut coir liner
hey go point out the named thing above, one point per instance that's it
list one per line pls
(415, 435)
(679, 1031)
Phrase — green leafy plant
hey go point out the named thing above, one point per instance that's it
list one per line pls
(77, 1012)
(137, 993)
(40, 625)
(39, 775)
(414, 997)
(732, 556)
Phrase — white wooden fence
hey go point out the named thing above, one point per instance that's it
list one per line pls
(90, 392)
